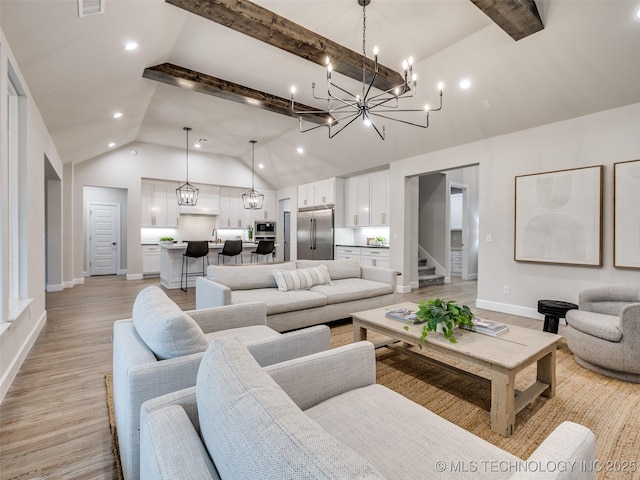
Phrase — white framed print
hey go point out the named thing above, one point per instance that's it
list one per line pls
(626, 217)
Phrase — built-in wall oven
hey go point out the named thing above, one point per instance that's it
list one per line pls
(265, 230)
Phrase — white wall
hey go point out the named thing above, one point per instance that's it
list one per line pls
(598, 139)
(17, 337)
(121, 169)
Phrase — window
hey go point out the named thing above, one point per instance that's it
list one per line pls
(16, 288)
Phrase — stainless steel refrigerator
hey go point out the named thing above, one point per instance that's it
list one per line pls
(315, 234)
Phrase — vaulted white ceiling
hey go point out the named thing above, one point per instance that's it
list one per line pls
(586, 59)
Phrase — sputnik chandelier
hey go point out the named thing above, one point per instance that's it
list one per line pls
(344, 107)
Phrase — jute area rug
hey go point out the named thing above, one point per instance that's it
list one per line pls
(610, 408)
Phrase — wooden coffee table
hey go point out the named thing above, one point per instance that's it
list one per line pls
(504, 356)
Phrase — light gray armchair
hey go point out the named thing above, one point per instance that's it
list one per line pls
(604, 334)
(158, 351)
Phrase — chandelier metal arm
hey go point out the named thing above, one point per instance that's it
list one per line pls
(305, 130)
(355, 117)
(403, 121)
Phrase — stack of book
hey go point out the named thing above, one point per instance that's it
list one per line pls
(488, 327)
(403, 314)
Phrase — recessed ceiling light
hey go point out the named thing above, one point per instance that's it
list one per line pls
(300, 150)
(112, 144)
(196, 145)
(117, 115)
(261, 165)
(465, 83)
(133, 151)
(638, 13)
(130, 46)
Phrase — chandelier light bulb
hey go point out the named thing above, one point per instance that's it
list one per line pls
(426, 107)
(414, 77)
(375, 51)
(293, 90)
(327, 61)
(440, 86)
(410, 61)
(405, 65)
(397, 91)
(367, 122)
(329, 67)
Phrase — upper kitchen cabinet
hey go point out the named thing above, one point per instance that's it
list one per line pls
(380, 199)
(367, 200)
(232, 211)
(356, 202)
(321, 193)
(159, 204)
(268, 210)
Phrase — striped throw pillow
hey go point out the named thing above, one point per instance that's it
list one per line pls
(302, 278)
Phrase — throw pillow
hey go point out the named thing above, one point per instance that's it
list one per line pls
(164, 327)
(302, 278)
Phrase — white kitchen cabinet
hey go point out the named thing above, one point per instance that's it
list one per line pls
(379, 199)
(306, 195)
(456, 262)
(455, 218)
(321, 193)
(356, 202)
(374, 257)
(232, 211)
(345, 253)
(159, 204)
(268, 210)
(151, 259)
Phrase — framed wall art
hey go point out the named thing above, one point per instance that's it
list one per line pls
(558, 217)
(626, 217)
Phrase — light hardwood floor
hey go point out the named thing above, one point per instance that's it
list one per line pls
(53, 421)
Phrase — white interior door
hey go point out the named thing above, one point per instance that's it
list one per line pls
(103, 239)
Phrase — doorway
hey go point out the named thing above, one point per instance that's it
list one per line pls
(104, 222)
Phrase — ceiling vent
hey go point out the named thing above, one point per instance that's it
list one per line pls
(90, 7)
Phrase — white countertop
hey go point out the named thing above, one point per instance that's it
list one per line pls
(183, 245)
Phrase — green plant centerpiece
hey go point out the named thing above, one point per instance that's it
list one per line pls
(380, 240)
(166, 239)
(441, 315)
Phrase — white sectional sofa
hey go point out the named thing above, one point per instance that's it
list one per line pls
(352, 288)
(323, 416)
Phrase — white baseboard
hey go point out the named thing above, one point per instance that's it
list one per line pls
(55, 288)
(68, 284)
(17, 361)
(78, 281)
(122, 271)
(511, 309)
(472, 276)
(403, 288)
(135, 276)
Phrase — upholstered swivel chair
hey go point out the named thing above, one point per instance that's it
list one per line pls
(265, 247)
(604, 334)
(231, 248)
(199, 249)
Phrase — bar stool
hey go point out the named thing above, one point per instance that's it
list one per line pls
(231, 248)
(265, 247)
(198, 249)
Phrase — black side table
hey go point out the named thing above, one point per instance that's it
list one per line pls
(553, 311)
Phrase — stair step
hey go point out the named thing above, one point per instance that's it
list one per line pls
(425, 280)
(422, 262)
(424, 270)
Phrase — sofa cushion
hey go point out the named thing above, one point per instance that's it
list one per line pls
(244, 334)
(164, 327)
(598, 325)
(252, 429)
(349, 289)
(416, 442)
(247, 277)
(348, 268)
(280, 302)
(301, 278)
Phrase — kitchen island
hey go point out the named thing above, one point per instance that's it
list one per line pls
(171, 262)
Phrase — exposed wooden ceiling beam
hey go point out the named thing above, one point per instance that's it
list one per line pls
(519, 18)
(200, 82)
(264, 25)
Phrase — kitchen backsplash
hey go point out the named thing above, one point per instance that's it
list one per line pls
(192, 227)
(358, 236)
